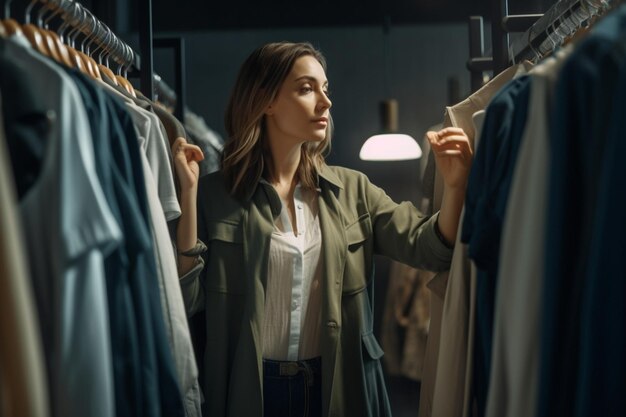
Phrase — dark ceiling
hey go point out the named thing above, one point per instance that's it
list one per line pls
(241, 14)
(234, 14)
(195, 15)
(200, 15)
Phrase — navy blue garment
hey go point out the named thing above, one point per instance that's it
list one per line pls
(487, 194)
(25, 123)
(602, 363)
(582, 119)
(160, 393)
(107, 134)
(292, 389)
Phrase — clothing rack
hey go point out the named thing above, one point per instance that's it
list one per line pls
(177, 96)
(558, 23)
(150, 81)
(541, 34)
(145, 46)
(77, 19)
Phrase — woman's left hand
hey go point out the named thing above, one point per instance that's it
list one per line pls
(453, 155)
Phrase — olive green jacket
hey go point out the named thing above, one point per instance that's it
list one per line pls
(357, 220)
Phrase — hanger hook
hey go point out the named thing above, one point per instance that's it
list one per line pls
(45, 7)
(28, 10)
(93, 33)
(107, 36)
(130, 60)
(67, 17)
(7, 9)
(77, 21)
(57, 10)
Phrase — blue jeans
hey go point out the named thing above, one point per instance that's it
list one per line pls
(292, 389)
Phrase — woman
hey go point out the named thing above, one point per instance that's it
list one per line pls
(285, 282)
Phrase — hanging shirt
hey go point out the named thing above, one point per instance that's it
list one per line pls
(514, 378)
(109, 138)
(69, 229)
(157, 150)
(292, 320)
(449, 346)
(175, 320)
(582, 326)
(487, 193)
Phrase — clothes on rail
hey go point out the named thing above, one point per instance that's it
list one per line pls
(513, 386)
(207, 139)
(451, 305)
(584, 293)
(95, 190)
(543, 225)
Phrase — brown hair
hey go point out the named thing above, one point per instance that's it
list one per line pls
(245, 158)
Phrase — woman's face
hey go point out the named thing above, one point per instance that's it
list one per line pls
(300, 112)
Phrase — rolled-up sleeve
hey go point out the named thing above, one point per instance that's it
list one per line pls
(191, 287)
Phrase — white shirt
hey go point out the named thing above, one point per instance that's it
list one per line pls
(292, 320)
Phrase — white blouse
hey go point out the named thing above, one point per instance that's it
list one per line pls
(292, 322)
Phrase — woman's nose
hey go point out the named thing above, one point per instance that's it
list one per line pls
(325, 101)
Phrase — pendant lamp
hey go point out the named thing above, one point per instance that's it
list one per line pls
(389, 144)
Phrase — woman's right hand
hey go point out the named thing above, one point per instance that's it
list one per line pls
(186, 158)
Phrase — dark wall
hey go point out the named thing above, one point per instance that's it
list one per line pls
(423, 57)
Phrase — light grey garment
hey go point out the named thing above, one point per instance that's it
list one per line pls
(207, 139)
(175, 318)
(69, 229)
(515, 363)
(22, 369)
(174, 315)
(157, 150)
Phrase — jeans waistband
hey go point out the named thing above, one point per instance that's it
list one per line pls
(311, 369)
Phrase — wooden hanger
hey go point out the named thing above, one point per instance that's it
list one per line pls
(12, 27)
(95, 67)
(127, 85)
(3, 30)
(37, 40)
(54, 42)
(107, 71)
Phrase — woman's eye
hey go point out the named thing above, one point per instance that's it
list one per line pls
(305, 90)
(327, 92)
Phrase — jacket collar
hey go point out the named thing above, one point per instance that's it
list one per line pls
(325, 174)
(329, 175)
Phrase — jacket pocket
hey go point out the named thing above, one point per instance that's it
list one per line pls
(359, 231)
(225, 268)
(358, 255)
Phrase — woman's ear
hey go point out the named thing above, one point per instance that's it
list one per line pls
(269, 110)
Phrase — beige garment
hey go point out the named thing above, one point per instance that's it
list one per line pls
(405, 321)
(459, 115)
(515, 362)
(24, 391)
